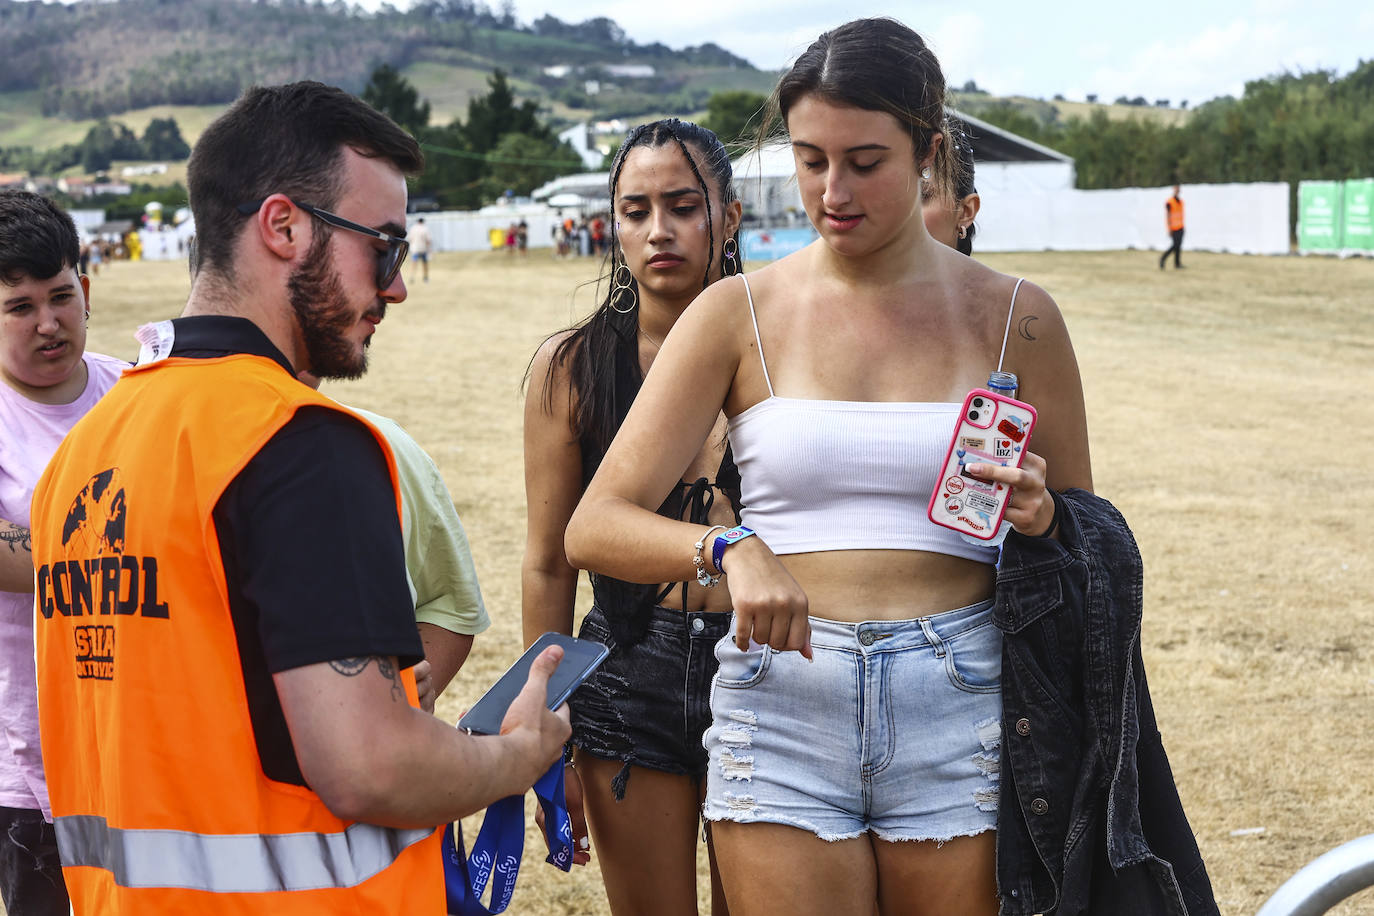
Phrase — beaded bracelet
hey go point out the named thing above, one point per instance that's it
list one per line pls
(704, 577)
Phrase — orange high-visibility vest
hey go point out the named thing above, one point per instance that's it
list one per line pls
(1175, 213)
(158, 794)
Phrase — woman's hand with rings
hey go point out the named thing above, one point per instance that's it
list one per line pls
(1030, 508)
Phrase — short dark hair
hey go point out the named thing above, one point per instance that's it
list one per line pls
(282, 139)
(877, 65)
(37, 237)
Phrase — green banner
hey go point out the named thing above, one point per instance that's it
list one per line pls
(1357, 231)
(1319, 216)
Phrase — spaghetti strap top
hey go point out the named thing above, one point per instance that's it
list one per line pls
(1005, 333)
(844, 475)
(748, 294)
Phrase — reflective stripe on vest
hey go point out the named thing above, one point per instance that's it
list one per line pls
(232, 863)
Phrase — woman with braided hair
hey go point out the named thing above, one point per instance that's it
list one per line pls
(638, 722)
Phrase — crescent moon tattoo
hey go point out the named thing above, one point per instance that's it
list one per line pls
(1024, 327)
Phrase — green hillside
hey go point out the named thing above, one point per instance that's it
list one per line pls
(67, 65)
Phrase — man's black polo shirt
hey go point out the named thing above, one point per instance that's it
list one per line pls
(311, 544)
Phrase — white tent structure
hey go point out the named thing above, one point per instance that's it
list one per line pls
(589, 188)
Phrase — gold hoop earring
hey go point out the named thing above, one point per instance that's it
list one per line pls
(621, 287)
(730, 250)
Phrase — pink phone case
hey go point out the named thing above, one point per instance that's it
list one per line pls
(992, 429)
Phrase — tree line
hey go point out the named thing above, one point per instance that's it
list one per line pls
(105, 142)
(502, 146)
(1290, 127)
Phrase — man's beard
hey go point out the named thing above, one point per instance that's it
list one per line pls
(323, 315)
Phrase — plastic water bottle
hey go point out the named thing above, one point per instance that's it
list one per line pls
(1004, 383)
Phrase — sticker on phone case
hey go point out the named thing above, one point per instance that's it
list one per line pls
(991, 430)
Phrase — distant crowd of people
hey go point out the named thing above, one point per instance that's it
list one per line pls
(582, 237)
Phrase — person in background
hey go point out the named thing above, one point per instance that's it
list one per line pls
(1173, 218)
(443, 580)
(638, 721)
(598, 235)
(47, 382)
(949, 212)
(420, 242)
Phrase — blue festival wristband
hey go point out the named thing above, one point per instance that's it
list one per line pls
(733, 536)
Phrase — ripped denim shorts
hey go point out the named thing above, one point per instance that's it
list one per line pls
(895, 729)
(647, 705)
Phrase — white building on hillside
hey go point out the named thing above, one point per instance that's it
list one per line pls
(580, 138)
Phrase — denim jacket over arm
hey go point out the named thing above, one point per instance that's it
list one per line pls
(1090, 820)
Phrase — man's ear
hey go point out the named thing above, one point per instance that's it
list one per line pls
(280, 225)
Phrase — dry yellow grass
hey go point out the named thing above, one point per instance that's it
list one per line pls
(1229, 420)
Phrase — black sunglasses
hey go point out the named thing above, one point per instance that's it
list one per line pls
(388, 262)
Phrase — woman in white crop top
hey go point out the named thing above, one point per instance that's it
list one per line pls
(856, 711)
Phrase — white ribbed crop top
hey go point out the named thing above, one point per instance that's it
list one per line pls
(844, 475)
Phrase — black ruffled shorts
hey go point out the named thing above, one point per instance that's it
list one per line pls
(649, 704)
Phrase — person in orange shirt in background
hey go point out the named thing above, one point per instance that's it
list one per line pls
(1173, 207)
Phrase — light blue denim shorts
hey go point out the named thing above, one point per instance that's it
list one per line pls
(895, 729)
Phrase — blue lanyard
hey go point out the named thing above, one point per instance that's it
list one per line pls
(500, 844)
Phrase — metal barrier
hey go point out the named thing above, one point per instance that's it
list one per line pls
(1326, 881)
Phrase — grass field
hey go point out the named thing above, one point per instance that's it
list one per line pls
(1207, 392)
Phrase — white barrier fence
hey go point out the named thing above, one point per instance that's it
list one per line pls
(1235, 218)
(470, 230)
(450, 230)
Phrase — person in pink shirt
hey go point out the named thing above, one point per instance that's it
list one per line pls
(47, 383)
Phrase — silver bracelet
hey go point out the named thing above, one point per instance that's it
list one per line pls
(704, 577)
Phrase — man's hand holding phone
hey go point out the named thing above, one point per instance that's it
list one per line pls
(529, 721)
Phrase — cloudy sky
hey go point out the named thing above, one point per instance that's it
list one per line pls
(1160, 49)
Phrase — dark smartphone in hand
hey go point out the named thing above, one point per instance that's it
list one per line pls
(580, 659)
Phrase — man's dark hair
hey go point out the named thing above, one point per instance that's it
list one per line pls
(37, 238)
(282, 139)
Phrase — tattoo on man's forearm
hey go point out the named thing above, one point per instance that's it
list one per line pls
(352, 667)
(15, 537)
